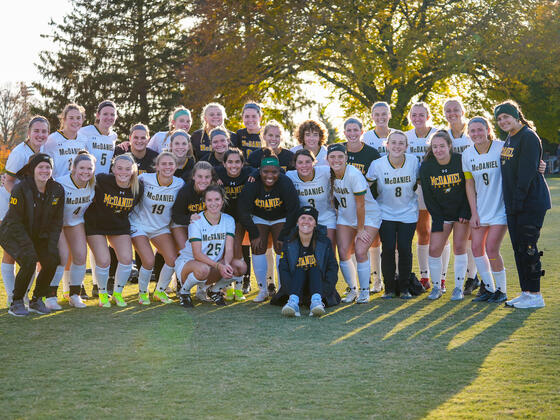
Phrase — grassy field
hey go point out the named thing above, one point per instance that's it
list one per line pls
(387, 359)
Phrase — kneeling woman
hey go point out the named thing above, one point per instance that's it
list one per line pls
(308, 268)
(207, 257)
(30, 231)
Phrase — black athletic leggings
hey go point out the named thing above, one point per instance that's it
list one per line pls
(396, 235)
(27, 268)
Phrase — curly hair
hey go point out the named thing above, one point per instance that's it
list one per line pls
(313, 126)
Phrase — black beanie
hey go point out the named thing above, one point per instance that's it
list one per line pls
(309, 210)
(34, 160)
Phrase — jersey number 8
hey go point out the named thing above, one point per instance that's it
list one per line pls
(398, 192)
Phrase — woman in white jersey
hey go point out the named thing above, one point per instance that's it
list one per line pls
(481, 165)
(358, 221)
(37, 133)
(418, 142)
(179, 119)
(312, 135)
(64, 144)
(79, 190)
(100, 137)
(395, 177)
(207, 257)
(150, 224)
(377, 137)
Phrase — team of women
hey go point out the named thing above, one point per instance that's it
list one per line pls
(201, 210)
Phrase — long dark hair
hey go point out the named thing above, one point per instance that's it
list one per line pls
(442, 134)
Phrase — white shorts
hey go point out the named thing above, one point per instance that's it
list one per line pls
(74, 222)
(179, 265)
(4, 202)
(258, 221)
(371, 220)
(421, 203)
(496, 220)
(138, 230)
(329, 221)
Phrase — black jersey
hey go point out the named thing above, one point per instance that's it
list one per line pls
(201, 145)
(210, 157)
(108, 212)
(443, 187)
(184, 172)
(285, 157)
(281, 201)
(233, 186)
(363, 158)
(145, 164)
(187, 203)
(248, 143)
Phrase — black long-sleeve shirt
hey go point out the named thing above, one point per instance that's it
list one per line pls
(525, 189)
(187, 203)
(443, 187)
(285, 158)
(201, 144)
(233, 186)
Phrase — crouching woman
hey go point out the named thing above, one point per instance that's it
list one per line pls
(308, 268)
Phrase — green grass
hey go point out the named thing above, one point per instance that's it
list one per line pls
(391, 359)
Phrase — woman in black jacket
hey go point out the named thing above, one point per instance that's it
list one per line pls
(308, 269)
(31, 229)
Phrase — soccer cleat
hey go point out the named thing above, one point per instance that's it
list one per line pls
(530, 301)
(230, 294)
(104, 300)
(95, 291)
(83, 293)
(457, 294)
(246, 285)
(350, 296)
(377, 286)
(406, 295)
(498, 297)
(77, 302)
(39, 307)
(271, 289)
(443, 289)
(262, 296)
(435, 293)
(364, 296)
(483, 297)
(161, 297)
(388, 295)
(144, 298)
(17, 308)
(185, 301)
(291, 309)
(518, 298)
(425, 283)
(238, 295)
(471, 284)
(201, 295)
(217, 298)
(481, 289)
(52, 303)
(118, 299)
(316, 308)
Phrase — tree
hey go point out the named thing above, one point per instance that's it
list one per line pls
(14, 113)
(130, 51)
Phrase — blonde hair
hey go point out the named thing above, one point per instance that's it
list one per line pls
(206, 108)
(134, 183)
(176, 133)
(422, 105)
(271, 124)
(165, 154)
(67, 109)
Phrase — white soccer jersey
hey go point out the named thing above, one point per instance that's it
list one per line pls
(316, 193)
(460, 143)
(418, 146)
(76, 200)
(153, 212)
(63, 151)
(485, 169)
(100, 146)
(160, 141)
(379, 143)
(321, 158)
(397, 198)
(211, 237)
(345, 189)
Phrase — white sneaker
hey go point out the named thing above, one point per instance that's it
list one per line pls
(350, 296)
(202, 295)
(530, 301)
(262, 296)
(517, 299)
(364, 296)
(77, 302)
(52, 304)
(377, 286)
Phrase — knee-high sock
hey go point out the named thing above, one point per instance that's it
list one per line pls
(57, 276)
(66, 281)
(423, 252)
(364, 274)
(500, 278)
(93, 266)
(190, 282)
(121, 276)
(270, 265)
(435, 267)
(259, 267)
(144, 277)
(375, 261)
(471, 267)
(445, 255)
(349, 273)
(164, 277)
(101, 276)
(483, 266)
(354, 261)
(77, 274)
(220, 284)
(460, 269)
(9, 277)
(238, 282)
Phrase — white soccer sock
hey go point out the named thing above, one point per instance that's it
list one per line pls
(77, 273)
(164, 277)
(190, 282)
(93, 266)
(57, 276)
(9, 277)
(220, 284)
(471, 267)
(66, 281)
(144, 277)
(354, 261)
(363, 274)
(500, 277)
(375, 260)
(445, 256)
(238, 282)
(483, 266)
(423, 252)
(460, 269)
(259, 268)
(101, 277)
(121, 276)
(349, 273)
(434, 264)
(270, 265)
